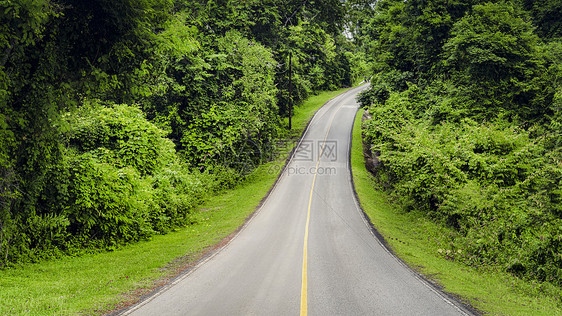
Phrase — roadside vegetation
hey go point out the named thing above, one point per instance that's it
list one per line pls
(463, 131)
(117, 118)
(120, 119)
(420, 242)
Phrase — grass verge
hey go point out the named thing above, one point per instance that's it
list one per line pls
(416, 240)
(98, 283)
(303, 113)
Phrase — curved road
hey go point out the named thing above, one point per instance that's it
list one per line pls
(308, 250)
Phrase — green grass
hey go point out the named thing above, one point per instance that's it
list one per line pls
(416, 240)
(98, 283)
(305, 111)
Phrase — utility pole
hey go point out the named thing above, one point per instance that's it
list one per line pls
(290, 90)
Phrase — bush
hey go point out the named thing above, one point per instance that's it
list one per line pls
(176, 193)
(493, 52)
(109, 204)
(465, 102)
(119, 181)
(494, 185)
(120, 135)
(155, 192)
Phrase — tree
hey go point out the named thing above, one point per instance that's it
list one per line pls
(493, 50)
(546, 17)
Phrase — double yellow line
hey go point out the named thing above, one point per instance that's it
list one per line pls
(304, 286)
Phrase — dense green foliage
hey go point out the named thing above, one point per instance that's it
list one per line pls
(117, 117)
(465, 105)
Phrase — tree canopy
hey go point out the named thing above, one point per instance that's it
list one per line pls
(465, 106)
(116, 117)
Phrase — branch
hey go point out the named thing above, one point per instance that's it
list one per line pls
(8, 52)
(295, 12)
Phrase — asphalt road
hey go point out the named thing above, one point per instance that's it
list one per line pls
(308, 249)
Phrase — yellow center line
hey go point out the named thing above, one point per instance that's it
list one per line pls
(304, 286)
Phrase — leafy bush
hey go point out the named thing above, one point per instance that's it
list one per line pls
(120, 135)
(176, 192)
(493, 53)
(465, 105)
(496, 186)
(244, 109)
(108, 203)
(119, 181)
(155, 190)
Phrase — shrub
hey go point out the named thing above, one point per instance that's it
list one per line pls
(119, 181)
(107, 201)
(120, 135)
(494, 185)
